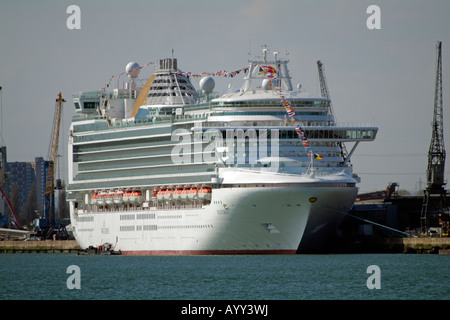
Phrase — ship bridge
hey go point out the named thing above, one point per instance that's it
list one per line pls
(341, 133)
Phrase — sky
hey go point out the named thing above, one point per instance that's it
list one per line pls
(384, 77)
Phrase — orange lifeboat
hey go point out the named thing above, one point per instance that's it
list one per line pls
(177, 194)
(168, 195)
(101, 198)
(126, 196)
(135, 196)
(205, 193)
(132, 196)
(94, 198)
(160, 194)
(118, 197)
(109, 197)
(193, 193)
(185, 193)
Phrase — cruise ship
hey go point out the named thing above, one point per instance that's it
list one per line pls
(159, 167)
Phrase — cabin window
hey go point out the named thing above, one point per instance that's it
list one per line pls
(90, 105)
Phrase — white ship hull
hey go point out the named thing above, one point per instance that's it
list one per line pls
(167, 169)
(238, 221)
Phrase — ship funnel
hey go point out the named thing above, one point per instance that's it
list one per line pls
(167, 64)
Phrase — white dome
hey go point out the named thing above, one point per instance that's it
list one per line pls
(132, 69)
(207, 84)
(266, 84)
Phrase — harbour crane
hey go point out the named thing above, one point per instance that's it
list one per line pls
(326, 94)
(436, 154)
(48, 222)
(3, 174)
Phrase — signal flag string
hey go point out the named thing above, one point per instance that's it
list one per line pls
(301, 134)
(196, 76)
(270, 73)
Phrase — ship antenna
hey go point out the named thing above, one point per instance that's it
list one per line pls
(275, 54)
(264, 53)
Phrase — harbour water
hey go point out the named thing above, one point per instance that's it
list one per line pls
(27, 276)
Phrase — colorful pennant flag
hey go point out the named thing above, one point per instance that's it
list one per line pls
(301, 134)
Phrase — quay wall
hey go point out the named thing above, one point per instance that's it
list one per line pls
(54, 246)
(388, 245)
(426, 245)
(435, 245)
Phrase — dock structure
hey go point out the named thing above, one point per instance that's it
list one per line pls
(51, 246)
(397, 245)
(440, 245)
(426, 245)
(15, 234)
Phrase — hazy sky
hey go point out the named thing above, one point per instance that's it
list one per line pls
(385, 77)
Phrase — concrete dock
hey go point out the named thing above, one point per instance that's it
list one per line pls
(56, 246)
(439, 245)
(426, 245)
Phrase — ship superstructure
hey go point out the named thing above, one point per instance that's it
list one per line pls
(166, 169)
